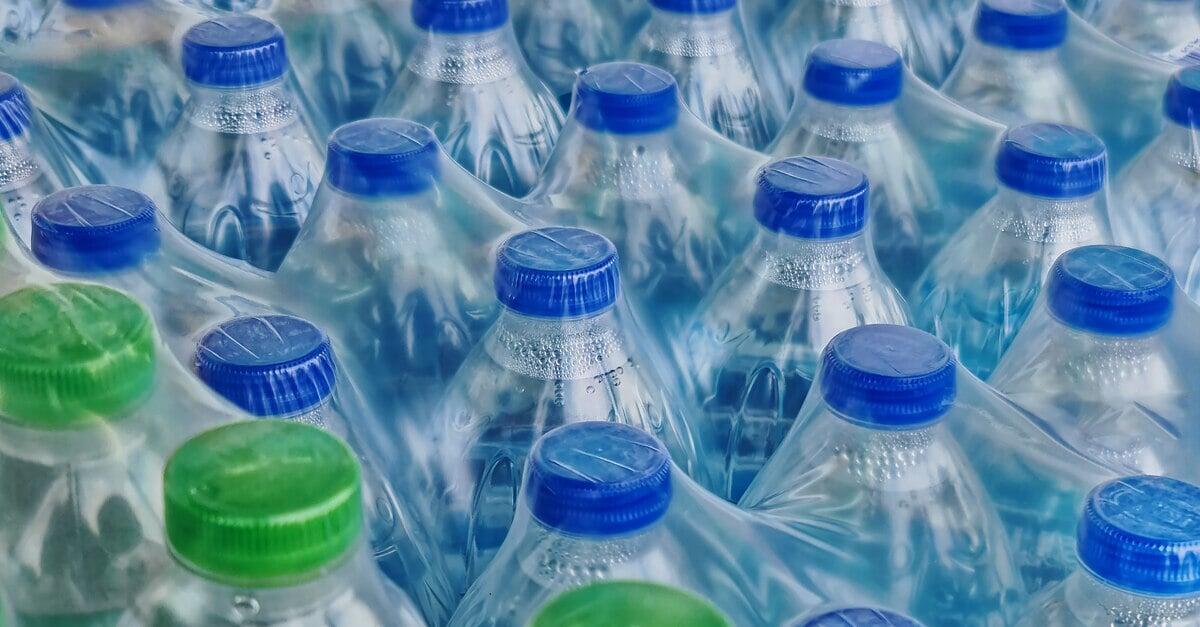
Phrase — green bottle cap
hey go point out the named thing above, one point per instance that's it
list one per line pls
(628, 604)
(262, 504)
(72, 355)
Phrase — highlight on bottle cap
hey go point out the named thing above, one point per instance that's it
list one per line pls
(15, 110)
(1052, 161)
(459, 16)
(812, 198)
(94, 229)
(557, 272)
(1022, 24)
(626, 98)
(382, 157)
(854, 72)
(625, 603)
(234, 51)
(1111, 290)
(858, 617)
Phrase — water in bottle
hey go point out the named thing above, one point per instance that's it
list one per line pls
(871, 468)
(602, 502)
(564, 349)
(848, 111)
(1011, 72)
(91, 409)
(979, 289)
(1154, 27)
(703, 44)
(1156, 200)
(858, 617)
(1138, 544)
(670, 193)
(241, 168)
(467, 80)
(624, 603)
(30, 164)
(756, 339)
(264, 521)
(101, 72)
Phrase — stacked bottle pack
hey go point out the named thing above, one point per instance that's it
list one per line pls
(599, 313)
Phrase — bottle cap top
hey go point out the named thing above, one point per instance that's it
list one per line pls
(234, 51)
(459, 16)
(15, 111)
(557, 272)
(694, 6)
(1022, 24)
(812, 198)
(1111, 290)
(625, 603)
(626, 98)
(382, 157)
(1181, 104)
(94, 229)
(1052, 161)
(854, 72)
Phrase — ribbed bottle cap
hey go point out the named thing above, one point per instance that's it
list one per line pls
(459, 16)
(598, 479)
(694, 6)
(859, 617)
(1022, 24)
(234, 51)
(557, 272)
(812, 198)
(1143, 534)
(15, 111)
(1052, 161)
(99, 5)
(1111, 290)
(382, 157)
(268, 365)
(626, 604)
(73, 355)
(1181, 104)
(264, 503)
(94, 229)
(626, 98)
(888, 377)
(854, 72)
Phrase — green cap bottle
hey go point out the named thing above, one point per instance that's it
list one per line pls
(73, 355)
(262, 504)
(628, 604)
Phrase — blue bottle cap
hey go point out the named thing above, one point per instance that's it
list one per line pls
(94, 229)
(459, 16)
(15, 112)
(1052, 161)
(268, 365)
(1143, 534)
(854, 72)
(1022, 24)
(99, 5)
(598, 479)
(1111, 290)
(1181, 104)
(884, 376)
(557, 272)
(694, 6)
(626, 98)
(859, 617)
(382, 157)
(234, 51)
(812, 198)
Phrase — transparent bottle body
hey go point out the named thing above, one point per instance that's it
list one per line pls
(239, 172)
(756, 341)
(980, 288)
(560, 38)
(1015, 87)
(1084, 600)
(25, 178)
(908, 223)
(710, 58)
(493, 116)
(1154, 27)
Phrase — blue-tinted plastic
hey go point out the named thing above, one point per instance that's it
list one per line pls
(888, 376)
(1143, 534)
(854, 72)
(1022, 24)
(268, 366)
(94, 229)
(626, 98)
(15, 112)
(459, 16)
(694, 6)
(99, 4)
(812, 198)
(234, 51)
(557, 272)
(1052, 161)
(1181, 104)
(859, 617)
(1111, 290)
(598, 479)
(382, 157)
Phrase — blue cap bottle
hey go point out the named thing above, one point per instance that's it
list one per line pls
(95, 229)
(626, 98)
(382, 157)
(812, 198)
(1052, 161)
(854, 73)
(557, 272)
(1111, 290)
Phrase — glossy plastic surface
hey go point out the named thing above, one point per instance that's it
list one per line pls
(1154, 27)
(31, 165)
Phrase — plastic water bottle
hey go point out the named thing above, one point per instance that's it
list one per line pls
(264, 521)
(809, 274)
(703, 44)
(621, 603)
(1156, 198)
(394, 262)
(979, 289)
(1138, 543)
(30, 167)
(1011, 70)
(872, 469)
(858, 617)
(99, 70)
(563, 350)
(241, 167)
(468, 81)
(1155, 27)
(848, 112)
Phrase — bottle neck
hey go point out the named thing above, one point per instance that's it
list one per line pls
(467, 59)
(846, 123)
(1093, 601)
(242, 111)
(1046, 220)
(812, 264)
(1002, 59)
(557, 348)
(18, 166)
(890, 460)
(1180, 145)
(554, 559)
(693, 34)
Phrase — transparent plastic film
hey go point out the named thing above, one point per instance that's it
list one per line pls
(31, 164)
(1161, 28)
(22, 18)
